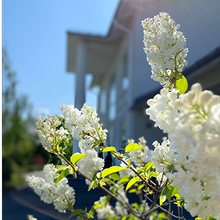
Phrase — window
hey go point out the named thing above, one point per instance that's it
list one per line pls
(125, 79)
(112, 101)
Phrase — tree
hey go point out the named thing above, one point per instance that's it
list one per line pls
(18, 146)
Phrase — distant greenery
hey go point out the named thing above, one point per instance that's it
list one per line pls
(21, 148)
(19, 144)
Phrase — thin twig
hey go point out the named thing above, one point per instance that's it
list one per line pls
(130, 166)
(170, 217)
(128, 207)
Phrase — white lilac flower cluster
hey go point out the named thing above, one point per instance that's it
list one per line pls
(84, 126)
(164, 46)
(107, 211)
(60, 194)
(31, 217)
(48, 133)
(190, 158)
(91, 164)
(140, 157)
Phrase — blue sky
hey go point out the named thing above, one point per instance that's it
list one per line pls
(35, 36)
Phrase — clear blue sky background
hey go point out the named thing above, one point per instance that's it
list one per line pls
(35, 36)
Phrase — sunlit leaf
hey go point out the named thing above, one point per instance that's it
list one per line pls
(113, 169)
(107, 198)
(140, 186)
(132, 182)
(154, 174)
(135, 205)
(140, 171)
(107, 149)
(129, 161)
(128, 217)
(181, 84)
(93, 185)
(76, 212)
(167, 193)
(132, 147)
(211, 218)
(96, 206)
(124, 179)
(60, 174)
(115, 176)
(76, 157)
(132, 191)
(148, 166)
(162, 216)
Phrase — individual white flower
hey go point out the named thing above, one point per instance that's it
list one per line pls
(164, 46)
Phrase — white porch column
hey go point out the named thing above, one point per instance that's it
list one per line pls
(81, 68)
(130, 94)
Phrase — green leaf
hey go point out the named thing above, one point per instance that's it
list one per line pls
(129, 161)
(91, 213)
(128, 217)
(124, 179)
(61, 166)
(113, 169)
(76, 157)
(132, 182)
(154, 174)
(135, 205)
(132, 191)
(148, 166)
(162, 216)
(167, 193)
(107, 149)
(140, 171)
(96, 206)
(93, 185)
(60, 174)
(132, 147)
(76, 212)
(140, 186)
(211, 218)
(108, 197)
(115, 176)
(198, 218)
(181, 83)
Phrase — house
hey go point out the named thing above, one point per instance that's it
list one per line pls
(119, 67)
